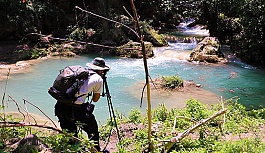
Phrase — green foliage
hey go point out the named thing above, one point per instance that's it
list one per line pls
(8, 134)
(79, 33)
(196, 110)
(172, 82)
(253, 20)
(165, 125)
(57, 142)
(65, 143)
(36, 53)
(16, 16)
(239, 146)
(32, 53)
(170, 12)
(135, 116)
(239, 23)
(11, 134)
(29, 17)
(237, 121)
(167, 5)
(160, 113)
(259, 114)
(151, 35)
(244, 145)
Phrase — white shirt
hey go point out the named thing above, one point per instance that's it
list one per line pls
(94, 83)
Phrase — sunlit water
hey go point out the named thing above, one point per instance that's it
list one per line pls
(227, 80)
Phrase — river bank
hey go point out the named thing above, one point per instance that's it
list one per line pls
(7, 70)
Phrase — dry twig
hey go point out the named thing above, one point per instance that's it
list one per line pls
(18, 108)
(180, 136)
(40, 111)
(22, 124)
(3, 98)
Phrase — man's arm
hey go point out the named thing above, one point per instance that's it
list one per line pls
(96, 97)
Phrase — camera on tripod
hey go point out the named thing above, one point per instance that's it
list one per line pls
(103, 75)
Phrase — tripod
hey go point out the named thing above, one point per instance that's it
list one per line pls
(111, 111)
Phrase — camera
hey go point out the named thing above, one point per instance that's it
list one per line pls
(104, 72)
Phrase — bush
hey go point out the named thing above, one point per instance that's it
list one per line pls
(172, 82)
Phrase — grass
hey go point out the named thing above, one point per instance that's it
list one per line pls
(212, 136)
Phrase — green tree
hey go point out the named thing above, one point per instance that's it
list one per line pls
(239, 22)
(252, 14)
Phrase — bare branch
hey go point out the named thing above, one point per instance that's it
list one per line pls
(200, 123)
(180, 136)
(21, 124)
(84, 4)
(175, 121)
(3, 98)
(18, 107)
(26, 110)
(66, 40)
(223, 106)
(40, 111)
(144, 89)
(152, 82)
(108, 20)
(142, 96)
(129, 14)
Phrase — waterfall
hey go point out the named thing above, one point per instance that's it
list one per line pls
(196, 30)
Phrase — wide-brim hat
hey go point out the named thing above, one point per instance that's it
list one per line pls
(97, 64)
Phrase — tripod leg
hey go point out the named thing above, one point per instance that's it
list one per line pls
(111, 110)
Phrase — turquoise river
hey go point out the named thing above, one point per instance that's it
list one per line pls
(125, 81)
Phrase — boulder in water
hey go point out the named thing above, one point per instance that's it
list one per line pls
(208, 50)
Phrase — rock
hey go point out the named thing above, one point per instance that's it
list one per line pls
(156, 39)
(30, 143)
(4, 66)
(198, 85)
(208, 50)
(22, 64)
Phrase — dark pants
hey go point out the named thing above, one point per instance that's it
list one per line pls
(69, 115)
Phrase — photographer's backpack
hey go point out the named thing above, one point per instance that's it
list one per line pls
(68, 83)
